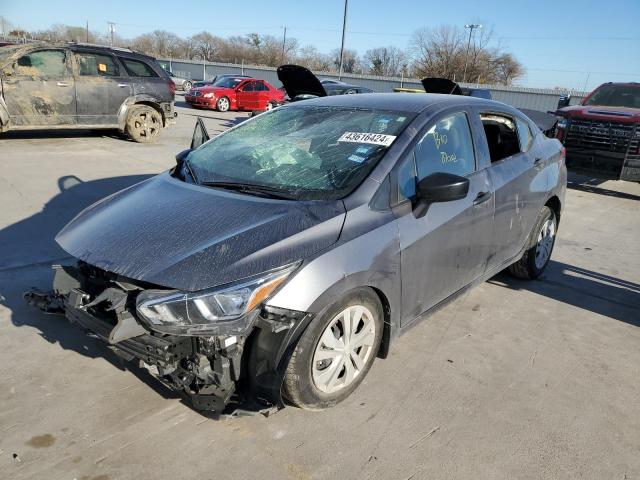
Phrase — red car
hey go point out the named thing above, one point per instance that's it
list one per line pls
(236, 93)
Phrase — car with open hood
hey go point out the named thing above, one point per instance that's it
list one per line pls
(236, 93)
(278, 259)
(71, 86)
(602, 134)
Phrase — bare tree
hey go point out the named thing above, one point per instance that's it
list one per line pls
(350, 60)
(310, 57)
(441, 52)
(387, 61)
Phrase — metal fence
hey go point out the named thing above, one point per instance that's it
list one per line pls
(519, 97)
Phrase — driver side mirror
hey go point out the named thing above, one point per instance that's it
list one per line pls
(439, 187)
(200, 134)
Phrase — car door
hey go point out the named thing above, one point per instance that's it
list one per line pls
(39, 90)
(448, 247)
(264, 95)
(247, 97)
(519, 183)
(102, 86)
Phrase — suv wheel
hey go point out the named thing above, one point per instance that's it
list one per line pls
(222, 104)
(143, 124)
(537, 256)
(336, 352)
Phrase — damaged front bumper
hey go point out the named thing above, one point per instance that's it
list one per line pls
(241, 369)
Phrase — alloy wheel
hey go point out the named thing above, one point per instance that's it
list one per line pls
(147, 124)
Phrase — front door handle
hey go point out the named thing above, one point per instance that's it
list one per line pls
(62, 84)
(122, 85)
(482, 197)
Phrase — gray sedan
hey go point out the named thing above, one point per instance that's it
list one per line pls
(280, 258)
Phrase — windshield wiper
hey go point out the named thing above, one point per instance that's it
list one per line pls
(251, 188)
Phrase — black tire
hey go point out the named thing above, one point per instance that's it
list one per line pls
(299, 387)
(526, 267)
(143, 124)
(223, 104)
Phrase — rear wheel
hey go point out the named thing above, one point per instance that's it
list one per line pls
(335, 352)
(223, 104)
(540, 246)
(270, 106)
(143, 124)
(186, 86)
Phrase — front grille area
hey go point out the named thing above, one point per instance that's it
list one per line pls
(195, 93)
(594, 134)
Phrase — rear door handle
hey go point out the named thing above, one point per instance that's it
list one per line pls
(122, 85)
(62, 84)
(482, 197)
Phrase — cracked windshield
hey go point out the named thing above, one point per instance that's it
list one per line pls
(309, 152)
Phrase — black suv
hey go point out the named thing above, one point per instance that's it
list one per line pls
(84, 86)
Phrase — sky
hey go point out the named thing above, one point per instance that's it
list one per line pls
(564, 43)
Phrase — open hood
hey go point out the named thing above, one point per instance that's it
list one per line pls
(298, 81)
(545, 121)
(441, 85)
(188, 237)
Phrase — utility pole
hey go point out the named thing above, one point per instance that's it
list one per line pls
(284, 42)
(87, 31)
(471, 27)
(112, 29)
(344, 29)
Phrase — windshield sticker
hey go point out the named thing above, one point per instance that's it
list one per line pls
(356, 158)
(363, 150)
(371, 138)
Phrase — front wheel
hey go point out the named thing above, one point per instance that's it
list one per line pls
(336, 352)
(540, 246)
(223, 104)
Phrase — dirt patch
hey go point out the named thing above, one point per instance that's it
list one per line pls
(42, 441)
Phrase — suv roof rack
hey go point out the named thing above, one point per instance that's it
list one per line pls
(84, 44)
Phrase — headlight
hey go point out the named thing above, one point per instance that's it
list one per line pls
(225, 310)
(208, 95)
(562, 123)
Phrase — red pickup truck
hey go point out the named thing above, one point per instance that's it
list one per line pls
(602, 134)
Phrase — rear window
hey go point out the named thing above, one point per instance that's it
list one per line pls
(136, 68)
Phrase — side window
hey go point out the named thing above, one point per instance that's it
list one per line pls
(446, 147)
(96, 65)
(261, 87)
(43, 63)
(136, 68)
(525, 135)
(249, 87)
(502, 135)
(406, 178)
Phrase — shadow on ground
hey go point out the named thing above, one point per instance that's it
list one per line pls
(593, 291)
(64, 133)
(31, 241)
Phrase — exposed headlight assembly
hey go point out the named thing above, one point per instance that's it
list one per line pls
(221, 311)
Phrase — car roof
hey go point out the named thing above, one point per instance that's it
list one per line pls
(403, 102)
